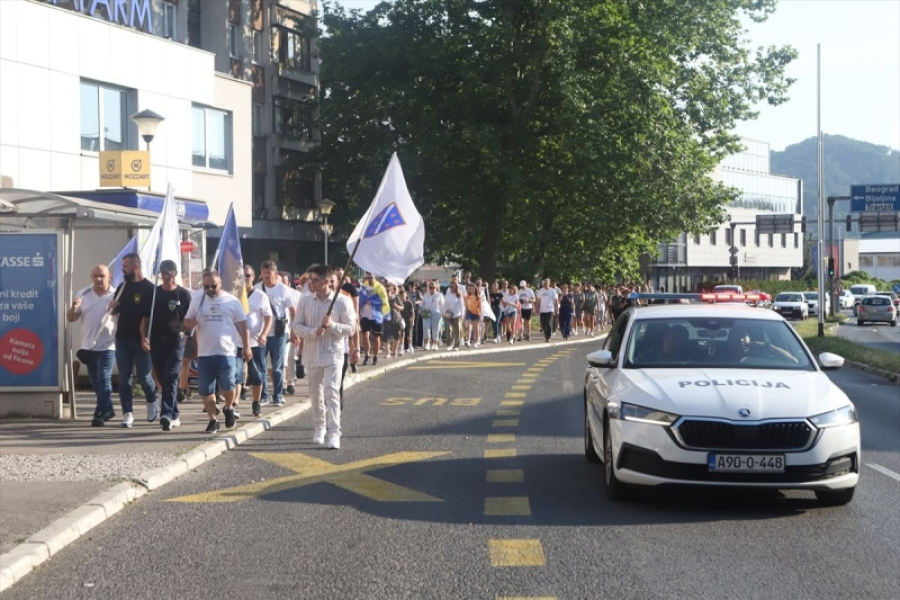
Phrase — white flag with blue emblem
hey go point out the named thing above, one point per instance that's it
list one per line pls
(391, 234)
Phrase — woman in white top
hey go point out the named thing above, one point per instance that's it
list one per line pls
(509, 306)
(432, 310)
(454, 305)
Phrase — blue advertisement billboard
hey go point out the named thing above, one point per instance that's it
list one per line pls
(29, 310)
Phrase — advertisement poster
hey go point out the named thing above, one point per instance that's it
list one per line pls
(29, 310)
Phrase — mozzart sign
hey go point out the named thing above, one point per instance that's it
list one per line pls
(127, 168)
(130, 13)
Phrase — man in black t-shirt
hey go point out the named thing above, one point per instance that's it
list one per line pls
(165, 339)
(132, 306)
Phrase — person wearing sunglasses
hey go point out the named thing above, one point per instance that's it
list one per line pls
(216, 315)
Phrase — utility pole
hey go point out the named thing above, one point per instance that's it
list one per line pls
(820, 204)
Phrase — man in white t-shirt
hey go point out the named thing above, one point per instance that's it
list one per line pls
(526, 304)
(548, 306)
(259, 321)
(216, 315)
(283, 311)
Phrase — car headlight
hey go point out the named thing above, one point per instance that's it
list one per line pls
(836, 418)
(633, 412)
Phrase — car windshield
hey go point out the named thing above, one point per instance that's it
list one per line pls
(715, 342)
(859, 290)
(788, 298)
(876, 301)
(811, 295)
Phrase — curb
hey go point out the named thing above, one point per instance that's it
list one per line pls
(46, 543)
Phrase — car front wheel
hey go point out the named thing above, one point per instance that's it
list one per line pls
(835, 497)
(615, 489)
(590, 453)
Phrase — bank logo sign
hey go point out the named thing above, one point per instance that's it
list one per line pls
(124, 168)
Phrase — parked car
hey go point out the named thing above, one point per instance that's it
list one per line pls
(812, 298)
(846, 299)
(791, 305)
(877, 308)
(728, 289)
(764, 300)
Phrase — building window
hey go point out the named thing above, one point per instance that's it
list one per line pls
(796, 240)
(257, 47)
(292, 118)
(728, 237)
(210, 138)
(771, 240)
(756, 238)
(104, 124)
(784, 240)
(257, 119)
(743, 237)
(866, 261)
(291, 48)
(259, 191)
(234, 39)
(169, 14)
(696, 240)
(712, 238)
(194, 23)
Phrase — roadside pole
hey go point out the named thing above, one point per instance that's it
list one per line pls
(820, 216)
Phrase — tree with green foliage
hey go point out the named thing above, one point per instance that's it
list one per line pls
(542, 136)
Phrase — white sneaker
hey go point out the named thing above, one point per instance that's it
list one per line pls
(400, 352)
(427, 346)
(175, 423)
(477, 344)
(496, 340)
(127, 419)
(435, 347)
(318, 437)
(410, 351)
(334, 442)
(467, 343)
(152, 411)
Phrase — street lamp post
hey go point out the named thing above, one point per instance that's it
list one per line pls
(325, 207)
(147, 121)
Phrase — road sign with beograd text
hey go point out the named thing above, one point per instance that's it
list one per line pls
(875, 197)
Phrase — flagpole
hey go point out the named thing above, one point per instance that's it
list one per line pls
(156, 260)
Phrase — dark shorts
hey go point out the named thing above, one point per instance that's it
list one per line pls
(370, 326)
(239, 367)
(257, 366)
(526, 314)
(470, 316)
(212, 370)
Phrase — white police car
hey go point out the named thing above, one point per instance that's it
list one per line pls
(717, 395)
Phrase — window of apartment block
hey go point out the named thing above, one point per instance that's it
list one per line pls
(291, 48)
(771, 240)
(257, 47)
(712, 238)
(743, 237)
(756, 238)
(292, 118)
(257, 119)
(194, 23)
(234, 40)
(728, 235)
(169, 22)
(210, 138)
(784, 240)
(104, 120)
(796, 240)
(696, 240)
(259, 191)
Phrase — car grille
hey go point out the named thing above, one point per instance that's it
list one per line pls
(707, 435)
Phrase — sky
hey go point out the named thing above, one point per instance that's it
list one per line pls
(860, 46)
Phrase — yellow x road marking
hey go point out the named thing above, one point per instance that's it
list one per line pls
(309, 470)
(446, 364)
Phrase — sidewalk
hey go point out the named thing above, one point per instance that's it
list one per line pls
(60, 478)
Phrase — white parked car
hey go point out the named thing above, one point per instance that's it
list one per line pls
(717, 395)
(812, 299)
(846, 299)
(791, 305)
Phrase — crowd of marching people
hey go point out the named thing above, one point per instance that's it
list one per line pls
(273, 329)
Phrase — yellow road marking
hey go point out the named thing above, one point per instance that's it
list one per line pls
(308, 470)
(515, 395)
(444, 364)
(508, 412)
(505, 423)
(500, 453)
(507, 506)
(512, 402)
(516, 553)
(521, 387)
(535, 370)
(505, 476)
(501, 438)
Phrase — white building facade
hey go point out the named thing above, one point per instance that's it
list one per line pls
(689, 262)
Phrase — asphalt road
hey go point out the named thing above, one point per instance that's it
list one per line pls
(873, 335)
(468, 481)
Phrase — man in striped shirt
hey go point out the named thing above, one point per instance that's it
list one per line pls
(323, 351)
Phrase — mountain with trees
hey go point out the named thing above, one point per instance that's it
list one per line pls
(847, 162)
(537, 136)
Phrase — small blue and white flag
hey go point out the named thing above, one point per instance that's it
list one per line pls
(115, 267)
(391, 234)
(230, 260)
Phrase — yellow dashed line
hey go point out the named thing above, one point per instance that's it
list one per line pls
(527, 380)
(501, 438)
(505, 423)
(505, 476)
(500, 453)
(512, 402)
(508, 412)
(507, 506)
(521, 387)
(515, 395)
(516, 553)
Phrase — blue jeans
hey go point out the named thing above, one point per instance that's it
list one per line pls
(129, 354)
(497, 322)
(431, 327)
(256, 368)
(100, 368)
(212, 370)
(275, 345)
(166, 353)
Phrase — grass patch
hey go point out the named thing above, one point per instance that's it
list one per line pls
(880, 359)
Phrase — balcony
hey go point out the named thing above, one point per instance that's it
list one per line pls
(297, 74)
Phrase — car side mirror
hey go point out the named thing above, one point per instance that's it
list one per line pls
(600, 358)
(830, 362)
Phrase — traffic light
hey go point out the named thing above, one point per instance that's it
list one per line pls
(831, 266)
(737, 273)
(803, 224)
